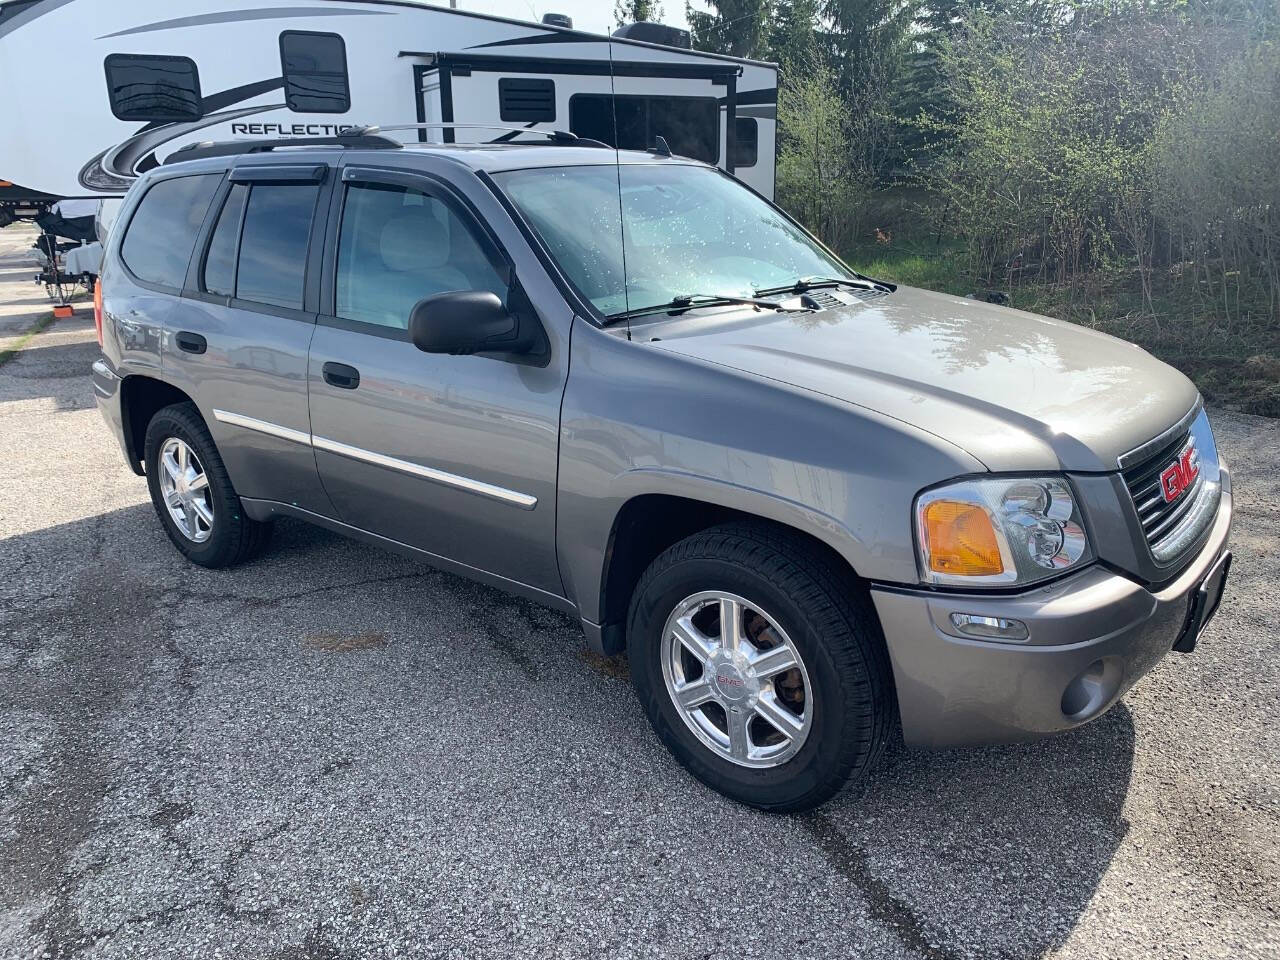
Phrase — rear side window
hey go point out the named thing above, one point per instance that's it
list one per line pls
(157, 246)
(149, 88)
(220, 264)
(273, 243)
(315, 72)
(526, 100)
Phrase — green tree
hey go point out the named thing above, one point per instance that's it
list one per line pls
(736, 27)
(636, 11)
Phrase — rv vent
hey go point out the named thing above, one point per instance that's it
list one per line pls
(526, 100)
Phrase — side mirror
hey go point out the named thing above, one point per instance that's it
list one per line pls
(462, 322)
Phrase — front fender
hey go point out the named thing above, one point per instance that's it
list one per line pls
(640, 420)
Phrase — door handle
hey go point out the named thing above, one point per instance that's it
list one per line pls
(191, 342)
(341, 375)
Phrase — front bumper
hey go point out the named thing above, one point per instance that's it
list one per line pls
(1097, 631)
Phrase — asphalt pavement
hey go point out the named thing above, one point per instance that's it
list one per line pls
(333, 752)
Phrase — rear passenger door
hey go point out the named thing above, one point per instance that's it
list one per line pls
(455, 455)
(238, 342)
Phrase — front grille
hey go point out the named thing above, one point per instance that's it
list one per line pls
(1160, 518)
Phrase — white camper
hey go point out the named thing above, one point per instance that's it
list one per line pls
(138, 79)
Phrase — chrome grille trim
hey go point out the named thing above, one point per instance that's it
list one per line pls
(1139, 454)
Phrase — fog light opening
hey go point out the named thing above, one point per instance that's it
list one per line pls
(1092, 690)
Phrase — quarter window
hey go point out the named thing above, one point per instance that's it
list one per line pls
(314, 66)
(690, 125)
(273, 243)
(157, 246)
(397, 246)
(149, 88)
(220, 264)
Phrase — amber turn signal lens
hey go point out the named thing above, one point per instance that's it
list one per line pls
(960, 540)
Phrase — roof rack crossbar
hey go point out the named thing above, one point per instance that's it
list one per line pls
(356, 138)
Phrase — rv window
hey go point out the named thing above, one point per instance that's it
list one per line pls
(162, 233)
(690, 125)
(526, 100)
(315, 72)
(748, 148)
(273, 243)
(143, 87)
(397, 246)
(220, 264)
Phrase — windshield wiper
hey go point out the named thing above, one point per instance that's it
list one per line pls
(687, 301)
(814, 283)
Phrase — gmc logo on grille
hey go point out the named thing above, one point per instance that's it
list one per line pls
(1177, 478)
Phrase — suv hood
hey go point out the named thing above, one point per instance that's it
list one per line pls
(1015, 390)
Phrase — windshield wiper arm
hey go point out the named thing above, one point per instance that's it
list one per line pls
(687, 301)
(813, 283)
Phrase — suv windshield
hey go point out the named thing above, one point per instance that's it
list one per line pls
(635, 236)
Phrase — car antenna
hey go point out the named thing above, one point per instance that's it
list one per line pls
(660, 148)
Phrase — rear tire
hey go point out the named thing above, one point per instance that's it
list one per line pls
(193, 495)
(838, 694)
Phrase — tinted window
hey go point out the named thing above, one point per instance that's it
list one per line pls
(220, 264)
(748, 148)
(398, 246)
(162, 234)
(142, 87)
(315, 72)
(526, 100)
(690, 125)
(273, 243)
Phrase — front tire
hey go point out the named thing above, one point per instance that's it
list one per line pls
(193, 495)
(761, 666)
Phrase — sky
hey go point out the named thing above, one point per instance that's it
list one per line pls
(594, 16)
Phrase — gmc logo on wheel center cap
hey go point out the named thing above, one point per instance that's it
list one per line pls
(1178, 477)
(730, 681)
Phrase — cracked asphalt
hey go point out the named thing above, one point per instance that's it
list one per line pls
(337, 753)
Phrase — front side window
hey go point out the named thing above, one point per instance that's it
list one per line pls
(673, 230)
(148, 88)
(272, 264)
(162, 234)
(690, 125)
(397, 246)
(314, 66)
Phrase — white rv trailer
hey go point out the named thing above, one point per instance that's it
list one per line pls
(111, 87)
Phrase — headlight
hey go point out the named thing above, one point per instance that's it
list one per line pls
(999, 532)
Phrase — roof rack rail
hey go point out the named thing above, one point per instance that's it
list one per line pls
(353, 139)
(562, 137)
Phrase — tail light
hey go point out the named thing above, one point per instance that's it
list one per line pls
(97, 309)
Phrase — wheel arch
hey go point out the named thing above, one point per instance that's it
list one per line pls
(141, 398)
(648, 523)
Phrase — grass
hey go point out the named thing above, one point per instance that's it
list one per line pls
(8, 353)
(1233, 362)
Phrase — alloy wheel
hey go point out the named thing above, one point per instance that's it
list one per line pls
(736, 679)
(185, 488)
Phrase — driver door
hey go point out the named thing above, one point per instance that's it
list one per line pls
(454, 455)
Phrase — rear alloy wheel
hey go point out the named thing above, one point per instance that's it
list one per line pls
(185, 487)
(192, 494)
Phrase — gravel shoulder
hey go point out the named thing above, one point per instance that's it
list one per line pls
(338, 753)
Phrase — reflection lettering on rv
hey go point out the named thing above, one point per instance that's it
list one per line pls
(288, 129)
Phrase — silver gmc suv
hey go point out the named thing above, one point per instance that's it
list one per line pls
(810, 506)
